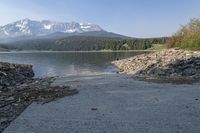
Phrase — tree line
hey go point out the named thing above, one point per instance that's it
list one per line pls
(85, 43)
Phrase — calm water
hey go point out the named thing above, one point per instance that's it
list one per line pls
(67, 63)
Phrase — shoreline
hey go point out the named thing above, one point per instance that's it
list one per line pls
(167, 65)
(48, 51)
(18, 93)
(19, 88)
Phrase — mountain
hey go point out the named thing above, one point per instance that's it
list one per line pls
(31, 28)
(102, 33)
(28, 34)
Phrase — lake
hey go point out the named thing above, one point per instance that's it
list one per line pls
(67, 63)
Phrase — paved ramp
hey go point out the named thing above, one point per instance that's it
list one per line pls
(115, 104)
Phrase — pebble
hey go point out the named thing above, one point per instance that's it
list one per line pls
(94, 109)
(10, 99)
(163, 64)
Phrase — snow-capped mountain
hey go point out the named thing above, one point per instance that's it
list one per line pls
(27, 27)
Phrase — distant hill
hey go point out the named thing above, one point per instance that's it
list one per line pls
(83, 43)
(91, 33)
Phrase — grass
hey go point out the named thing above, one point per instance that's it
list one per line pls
(3, 49)
(158, 47)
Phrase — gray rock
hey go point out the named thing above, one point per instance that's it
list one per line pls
(189, 72)
(10, 99)
(168, 63)
(14, 73)
(161, 73)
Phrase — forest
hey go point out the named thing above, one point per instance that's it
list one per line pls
(84, 43)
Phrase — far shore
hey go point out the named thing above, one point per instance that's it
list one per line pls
(92, 51)
(4, 50)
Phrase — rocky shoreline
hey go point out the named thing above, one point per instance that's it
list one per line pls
(177, 66)
(18, 89)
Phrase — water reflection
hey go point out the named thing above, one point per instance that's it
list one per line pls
(67, 63)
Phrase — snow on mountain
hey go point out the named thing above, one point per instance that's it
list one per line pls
(27, 27)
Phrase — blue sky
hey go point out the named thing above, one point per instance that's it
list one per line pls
(137, 18)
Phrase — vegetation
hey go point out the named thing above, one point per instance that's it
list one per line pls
(158, 47)
(85, 43)
(3, 49)
(188, 37)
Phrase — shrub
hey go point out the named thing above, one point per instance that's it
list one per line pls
(188, 36)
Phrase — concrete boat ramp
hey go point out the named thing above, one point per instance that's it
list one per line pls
(115, 104)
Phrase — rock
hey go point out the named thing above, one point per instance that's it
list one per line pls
(10, 99)
(189, 72)
(2, 120)
(14, 73)
(18, 89)
(94, 109)
(174, 64)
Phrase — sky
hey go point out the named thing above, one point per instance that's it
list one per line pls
(136, 18)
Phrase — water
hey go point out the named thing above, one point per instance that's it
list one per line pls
(67, 63)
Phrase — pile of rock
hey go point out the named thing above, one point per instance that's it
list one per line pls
(18, 89)
(167, 64)
(12, 74)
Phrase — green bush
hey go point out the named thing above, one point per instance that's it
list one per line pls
(188, 37)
